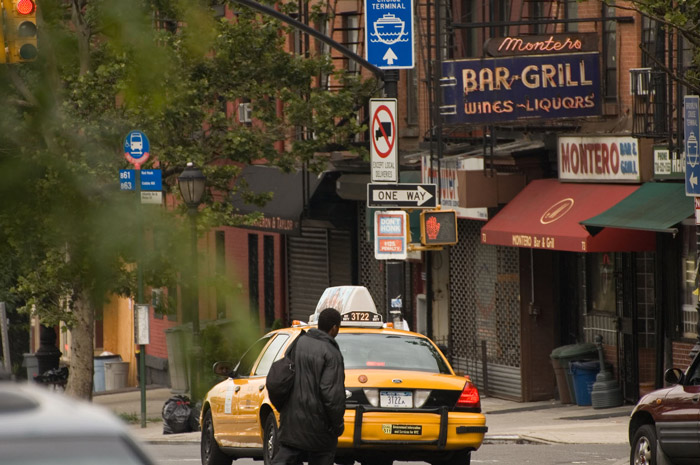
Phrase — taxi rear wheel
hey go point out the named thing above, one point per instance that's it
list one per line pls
(458, 458)
(211, 454)
(270, 442)
(377, 462)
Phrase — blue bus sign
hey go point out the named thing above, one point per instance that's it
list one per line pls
(692, 134)
(389, 33)
(127, 180)
(151, 180)
(136, 148)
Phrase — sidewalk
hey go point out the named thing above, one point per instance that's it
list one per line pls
(508, 422)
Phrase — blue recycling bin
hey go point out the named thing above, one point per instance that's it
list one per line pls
(584, 374)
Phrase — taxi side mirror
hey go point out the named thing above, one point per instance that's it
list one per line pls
(224, 369)
(673, 376)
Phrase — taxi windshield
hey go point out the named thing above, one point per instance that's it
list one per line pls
(390, 352)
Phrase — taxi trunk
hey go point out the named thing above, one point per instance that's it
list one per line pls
(409, 412)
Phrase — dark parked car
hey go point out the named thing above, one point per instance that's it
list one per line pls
(665, 425)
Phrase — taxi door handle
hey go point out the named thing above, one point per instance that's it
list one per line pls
(696, 398)
(261, 387)
(237, 388)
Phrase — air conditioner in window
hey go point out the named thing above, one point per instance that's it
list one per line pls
(640, 81)
(245, 113)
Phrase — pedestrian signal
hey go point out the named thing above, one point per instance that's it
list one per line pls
(20, 30)
(438, 227)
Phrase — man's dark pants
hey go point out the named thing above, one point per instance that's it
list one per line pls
(287, 455)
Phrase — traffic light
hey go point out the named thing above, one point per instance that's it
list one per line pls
(438, 227)
(20, 30)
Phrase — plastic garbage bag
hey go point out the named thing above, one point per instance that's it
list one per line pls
(177, 413)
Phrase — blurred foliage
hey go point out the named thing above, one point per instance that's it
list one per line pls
(69, 236)
(223, 341)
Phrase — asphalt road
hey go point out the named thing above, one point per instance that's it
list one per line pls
(490, 454)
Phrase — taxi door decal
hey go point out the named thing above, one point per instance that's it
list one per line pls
(228, 399)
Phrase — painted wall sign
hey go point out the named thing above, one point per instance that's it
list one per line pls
(599, 158)
(542, 44)
(449, 187)
(512, 88)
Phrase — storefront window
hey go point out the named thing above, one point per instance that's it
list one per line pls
(689, 314)
(601, 272)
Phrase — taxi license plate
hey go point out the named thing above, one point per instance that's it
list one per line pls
(396, 399)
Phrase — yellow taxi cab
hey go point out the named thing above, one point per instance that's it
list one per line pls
(403, 399)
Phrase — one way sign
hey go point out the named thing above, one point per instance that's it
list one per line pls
(401, 195)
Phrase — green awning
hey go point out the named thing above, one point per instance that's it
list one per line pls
(655, 206)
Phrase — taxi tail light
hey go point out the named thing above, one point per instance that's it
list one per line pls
(469, 397)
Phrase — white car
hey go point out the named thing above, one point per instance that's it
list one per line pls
(38, 426)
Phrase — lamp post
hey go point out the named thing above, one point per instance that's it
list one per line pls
(192, 183)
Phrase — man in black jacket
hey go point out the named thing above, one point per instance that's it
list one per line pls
(312, 418)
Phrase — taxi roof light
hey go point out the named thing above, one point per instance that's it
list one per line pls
(354, 303)
(469, 397)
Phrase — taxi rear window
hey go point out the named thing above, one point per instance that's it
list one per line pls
(390, 352)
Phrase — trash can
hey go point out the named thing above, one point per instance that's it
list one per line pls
(116, 374)
(575, 352)
(98, 378)
(31, 363)
(179, 343)
(560, 374)
(584, 374)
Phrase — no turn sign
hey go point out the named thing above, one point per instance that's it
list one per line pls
(383, 147)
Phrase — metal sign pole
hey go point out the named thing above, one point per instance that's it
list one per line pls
(5, 339)
(139, 299)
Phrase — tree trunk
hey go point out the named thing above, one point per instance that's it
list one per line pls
(81, 362)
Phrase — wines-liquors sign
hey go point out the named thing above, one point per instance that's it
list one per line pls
(521, 87)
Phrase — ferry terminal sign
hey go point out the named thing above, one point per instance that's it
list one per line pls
(519, 87)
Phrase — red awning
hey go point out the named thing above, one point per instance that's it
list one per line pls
(546, 215)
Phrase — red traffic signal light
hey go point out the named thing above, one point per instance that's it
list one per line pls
(25, 7)
(438, 227)
(20, 30)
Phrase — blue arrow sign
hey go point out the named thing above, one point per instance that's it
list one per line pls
(692, 134)
(389, 33)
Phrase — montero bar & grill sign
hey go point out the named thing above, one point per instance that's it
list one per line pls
(519, 87)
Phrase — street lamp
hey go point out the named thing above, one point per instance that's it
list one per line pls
(192, 183)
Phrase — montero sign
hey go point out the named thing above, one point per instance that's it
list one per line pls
(513, 88)
(600, 159)
(542, 44)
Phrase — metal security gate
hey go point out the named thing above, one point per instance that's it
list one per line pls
(317, 259)
(485, 312)
(371, 270)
